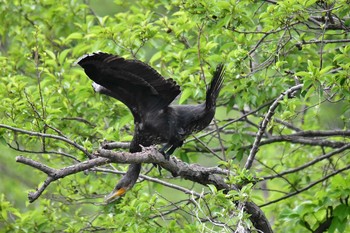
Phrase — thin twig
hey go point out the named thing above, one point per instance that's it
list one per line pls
(318, 159)
(264, 124)
(208, 148)
(299, 140)
(234, 120)
(80, 119)
(43, 135)
(324, 41)
(220, 140)
(306, 187)
(200, 30)
(43, 152)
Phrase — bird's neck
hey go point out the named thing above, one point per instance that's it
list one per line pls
(134, 168)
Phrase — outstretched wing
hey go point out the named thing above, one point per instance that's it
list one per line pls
(133, 82)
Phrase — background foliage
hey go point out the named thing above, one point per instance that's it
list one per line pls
(267, 46)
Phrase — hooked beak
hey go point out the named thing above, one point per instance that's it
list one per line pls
(114, 195)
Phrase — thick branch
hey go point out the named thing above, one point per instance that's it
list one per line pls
(55, 174)
(115, 145)
(193, 172)
(173, 165)
(154, 180)
(42, 167)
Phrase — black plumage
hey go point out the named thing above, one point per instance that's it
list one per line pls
(148, 96)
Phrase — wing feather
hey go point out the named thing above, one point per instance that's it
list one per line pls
(133, 82)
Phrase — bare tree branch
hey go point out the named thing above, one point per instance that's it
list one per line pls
(265, 122)
(324, 133)
(299, 140)
(44, 135)
(55, 174)
(286, 124)
(175, 166)
(306, 187)
(318, 159)
(80, 119)
(193, 172)
(43, 152)
(115, 145)
(324, 42)
(233, 121)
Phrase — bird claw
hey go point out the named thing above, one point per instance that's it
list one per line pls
(159, 168)
(165, 154)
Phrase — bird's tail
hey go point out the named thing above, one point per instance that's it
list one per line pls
(215, 86)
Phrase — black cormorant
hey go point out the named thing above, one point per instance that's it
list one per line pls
(148, 96)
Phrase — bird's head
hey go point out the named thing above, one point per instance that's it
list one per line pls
(117, 192)
(126, 183)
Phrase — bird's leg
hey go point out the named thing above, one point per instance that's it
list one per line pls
(169, 149)
(164, 150)
(169, 152)
(159, 168)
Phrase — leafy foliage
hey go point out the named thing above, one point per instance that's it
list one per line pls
(301, 173)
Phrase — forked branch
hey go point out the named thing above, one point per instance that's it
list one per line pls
(193, 172)
(55, 174)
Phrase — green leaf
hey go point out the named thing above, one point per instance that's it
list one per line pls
(240, 154)
(62, 56)
(74, 36)
(155, 57)
(342, 211)
(3, 141)
(212, 188)
(51, 54)
(185, 95)
(224, 5)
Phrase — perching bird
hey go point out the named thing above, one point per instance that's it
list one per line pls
(148, 96)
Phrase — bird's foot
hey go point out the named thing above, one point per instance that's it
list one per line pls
(158, 167)
(165, 154)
